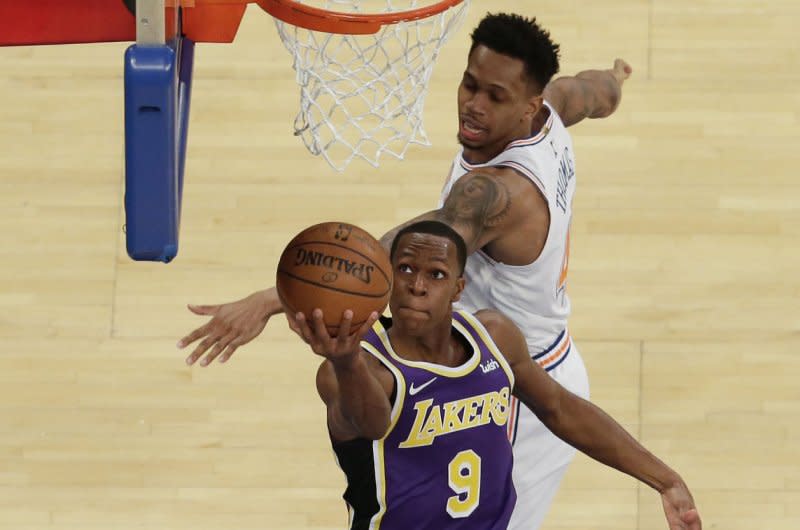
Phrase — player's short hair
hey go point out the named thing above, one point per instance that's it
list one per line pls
(521, 38)
(435, 228)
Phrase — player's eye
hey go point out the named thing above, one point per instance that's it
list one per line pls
(404, 268)
(467, 82)
(439, 275)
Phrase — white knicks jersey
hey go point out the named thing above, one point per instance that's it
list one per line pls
(534, 296)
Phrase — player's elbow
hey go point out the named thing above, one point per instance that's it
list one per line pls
(373, 422)
(551, 412)
(550, 415)
(376, 431)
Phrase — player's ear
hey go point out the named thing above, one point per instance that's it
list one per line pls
(458, 289)
(535, 102)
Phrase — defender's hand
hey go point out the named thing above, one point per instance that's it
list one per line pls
(231, 325)
(621, 70)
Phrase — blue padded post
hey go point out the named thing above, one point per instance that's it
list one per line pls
(184, 99)
(157, 93)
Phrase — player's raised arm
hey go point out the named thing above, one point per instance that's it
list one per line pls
(348, 381)
(588, 94)
(587, 427)
(481, 206)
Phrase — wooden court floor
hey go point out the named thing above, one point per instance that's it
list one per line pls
(684, 277)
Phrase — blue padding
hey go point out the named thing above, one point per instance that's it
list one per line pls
(156, 122)
(184, 99)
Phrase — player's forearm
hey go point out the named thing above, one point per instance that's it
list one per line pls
(606, 90)
(362, 399)
(589, 94)
(590, 430)
(268, 302)
(475, 203)
(388, 237)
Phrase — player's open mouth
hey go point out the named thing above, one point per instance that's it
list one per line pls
(469, 130)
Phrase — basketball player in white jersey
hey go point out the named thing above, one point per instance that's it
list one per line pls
(509, 194)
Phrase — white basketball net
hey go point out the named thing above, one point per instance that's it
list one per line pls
(363, 95)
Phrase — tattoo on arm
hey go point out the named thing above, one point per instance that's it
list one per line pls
(475, 203)
(590, 94)
(388, 237)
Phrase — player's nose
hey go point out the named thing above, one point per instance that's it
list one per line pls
(418, 285)
(475, 105)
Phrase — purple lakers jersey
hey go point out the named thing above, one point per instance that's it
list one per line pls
(445, 462)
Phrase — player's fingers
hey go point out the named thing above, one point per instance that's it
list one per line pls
(358, 334)
(213, 354)
(294, 325)
(320, 329)
(200, 349)
(316, 334)
(344, 327)
(302, 328)
(229, 351)
(291, 319)
(199, 333)
(219, 347)
(622, 68)
(312, 336)
(367, 325)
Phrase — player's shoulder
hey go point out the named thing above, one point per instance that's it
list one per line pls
(502, 173)
(494, 321)
(488, 316)
(505, 334)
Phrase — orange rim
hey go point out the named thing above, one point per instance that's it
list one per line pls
(317, 19)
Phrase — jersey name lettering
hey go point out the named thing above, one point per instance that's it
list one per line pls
(566, 172)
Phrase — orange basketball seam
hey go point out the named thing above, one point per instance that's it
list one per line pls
(331, 288)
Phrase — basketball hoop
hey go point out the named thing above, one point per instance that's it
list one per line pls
(363, 68)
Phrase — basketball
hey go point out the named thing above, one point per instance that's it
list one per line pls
(334, 267)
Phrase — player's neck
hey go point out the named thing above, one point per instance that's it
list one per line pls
(438, 346)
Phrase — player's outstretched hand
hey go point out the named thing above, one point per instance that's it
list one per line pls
(621, 70)
(231, 325)
(680, 509)
(343, 345)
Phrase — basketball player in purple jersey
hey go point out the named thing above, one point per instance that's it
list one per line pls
(509, 193)
(417, 410)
